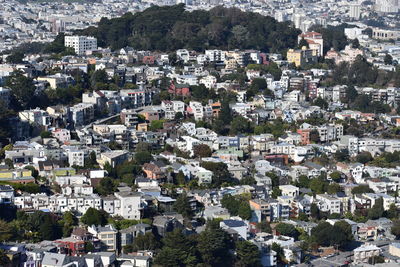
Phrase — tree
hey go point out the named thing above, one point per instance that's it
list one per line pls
(244, 211)
(45, 134)
(318, 185)
(106, 186)
(314, 136)
(94, 217)
(156, 125)
(280, 253)
(178, 116)
(314, 211)
(346, 228)
(220, 172)
(376, 259)
(355, 43)
(89, 247)
(182, 206)
(364, 157)
(287, 230)
(247, 254)
(68, 221)
(351, 95)
(336, 176)
(16, 57)
(180, 178)
(98, 76)
(22, 90)
(6, 231)
(327, 235)
(333, 188)
(377, 210)
(178, 250)
(276, 192)
(341, 155)
(231, 204)
(202, 151)
(320, 102)
(361, 189)
(392, 213)
(396, 228)
(388, 59)
(303, 181)
(143, 147)
(302, 217)
(214, 245)
(4, 259)
(302, 43)
(264, 226)
(49, 229)
(145, 242)
(240, 125)
(143, 157)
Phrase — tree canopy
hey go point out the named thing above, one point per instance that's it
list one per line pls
(170, 28)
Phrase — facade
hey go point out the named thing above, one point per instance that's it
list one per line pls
(364, 252)
(314, 40)
(81, 44)
(107, 236)
(301, 57)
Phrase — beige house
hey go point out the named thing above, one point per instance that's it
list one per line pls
(107, 235)
(394, 249)
(366, 251)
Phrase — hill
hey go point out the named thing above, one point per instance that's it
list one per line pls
(171, 27)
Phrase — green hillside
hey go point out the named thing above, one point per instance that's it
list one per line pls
(171, 27)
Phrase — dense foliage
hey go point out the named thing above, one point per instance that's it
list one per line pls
(171, 27)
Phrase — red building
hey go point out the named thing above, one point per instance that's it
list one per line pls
(277, 159)
(75, 244)
(148, 60)
(179, 89)
(305, 136)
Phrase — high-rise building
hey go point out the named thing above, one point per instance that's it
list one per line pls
(58, 26)
(355, 11)
(387, 6)
(81, 44)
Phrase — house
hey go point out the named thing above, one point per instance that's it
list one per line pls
(240, 227)
(314, 41)
(327, 203)
(107, 235)
(152, 171)
(76, 157)
(6, 194)
(289, 190)
(128, 235)
(394, 249)
(301, 57)
(113, 158)
(261, 210)
(130, 205)
(204, 175)
(364, 252)
(62, 135)
(139, 260)
(167, 223)
(179, 89)
(75, 244)
(55, 260)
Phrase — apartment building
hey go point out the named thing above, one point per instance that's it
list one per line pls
(81, 114)
(107, 236)
(327, 203)
(81, 44)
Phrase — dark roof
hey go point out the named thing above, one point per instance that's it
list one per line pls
(234, 223)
